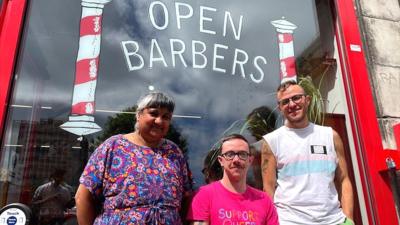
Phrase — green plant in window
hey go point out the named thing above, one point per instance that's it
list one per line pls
(316, 109)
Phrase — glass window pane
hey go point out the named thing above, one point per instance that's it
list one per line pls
(220, 60)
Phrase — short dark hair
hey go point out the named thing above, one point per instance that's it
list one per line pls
(283, 86)
(231, 137)
(58, 172)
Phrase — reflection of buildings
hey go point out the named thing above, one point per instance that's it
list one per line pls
(39, 149)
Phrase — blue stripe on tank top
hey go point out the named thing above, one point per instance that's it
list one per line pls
(307, 167)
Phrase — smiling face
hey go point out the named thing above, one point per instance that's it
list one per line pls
(293, 103)
(236, 168)
(153, 123)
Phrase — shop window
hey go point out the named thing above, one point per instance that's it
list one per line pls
(220, 60)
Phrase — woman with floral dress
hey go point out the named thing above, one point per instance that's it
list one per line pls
(136, 178)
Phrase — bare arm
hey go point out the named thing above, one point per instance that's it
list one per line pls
(85, 208)
(268, 169)
(199, 223)
(342, 179)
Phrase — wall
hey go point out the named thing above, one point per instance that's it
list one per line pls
(380, 25)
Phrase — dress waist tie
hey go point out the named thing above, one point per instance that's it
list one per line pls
(155, 214)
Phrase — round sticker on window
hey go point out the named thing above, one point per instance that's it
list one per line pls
(13, 216)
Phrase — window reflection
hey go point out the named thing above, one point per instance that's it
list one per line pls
(222, 74)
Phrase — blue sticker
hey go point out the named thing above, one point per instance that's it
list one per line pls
(12, 220)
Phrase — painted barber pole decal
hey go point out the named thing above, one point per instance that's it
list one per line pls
(286, 50)
(81, 120)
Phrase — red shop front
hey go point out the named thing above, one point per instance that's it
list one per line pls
(184, 49)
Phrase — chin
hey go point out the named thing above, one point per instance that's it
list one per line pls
(158, 137)
(236, 173)
(296, 119)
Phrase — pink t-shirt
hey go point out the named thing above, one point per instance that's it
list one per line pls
(215, 204)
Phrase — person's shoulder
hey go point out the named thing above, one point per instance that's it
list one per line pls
(274, 133)
(169, 142)
(207, 190)
(256, 193)
(171, 146)
(211, 186)
(43, 186)
(112, 140)
(320, 128)
(111, 145)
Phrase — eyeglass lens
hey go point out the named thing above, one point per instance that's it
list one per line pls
(295, 99)
(231, 154)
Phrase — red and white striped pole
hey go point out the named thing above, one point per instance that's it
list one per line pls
(286, 50)
(81, 120)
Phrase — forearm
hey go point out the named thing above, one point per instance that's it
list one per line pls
(269, 182)
(268, 170)
(347, 198)
(342, 179)
(85, 214)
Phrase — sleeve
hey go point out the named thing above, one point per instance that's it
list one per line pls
(38, 194)
(186, 174)
(199, 209)
(272, 214)
(187, 178)
(93, 174)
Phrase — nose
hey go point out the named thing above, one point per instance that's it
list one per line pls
(291, 103)
(236, 158)
(159, 120)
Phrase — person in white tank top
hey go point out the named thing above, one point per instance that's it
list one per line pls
(302, 164)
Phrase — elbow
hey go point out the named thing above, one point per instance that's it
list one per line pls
(83, 196)
(270, 190)
(78, 200)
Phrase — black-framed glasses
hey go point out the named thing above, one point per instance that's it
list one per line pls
(295, 98)
(243, 155)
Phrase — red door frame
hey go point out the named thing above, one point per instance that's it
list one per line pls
(359, 96)
(12, 16)
(367, 139)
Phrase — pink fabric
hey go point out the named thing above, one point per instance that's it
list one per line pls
(215, 204)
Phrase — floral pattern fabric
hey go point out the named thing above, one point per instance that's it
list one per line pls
(137, 184)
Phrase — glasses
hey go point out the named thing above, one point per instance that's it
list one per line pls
(243, 155)
(295, 98)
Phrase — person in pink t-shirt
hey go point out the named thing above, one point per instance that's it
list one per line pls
(230, 200)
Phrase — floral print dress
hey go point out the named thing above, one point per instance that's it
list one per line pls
(137, 184)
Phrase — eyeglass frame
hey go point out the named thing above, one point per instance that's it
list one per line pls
(287, 100)
(236, 154)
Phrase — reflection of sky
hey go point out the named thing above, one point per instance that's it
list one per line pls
(47, 62)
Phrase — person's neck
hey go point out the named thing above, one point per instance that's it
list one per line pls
(235, 186)
(55, 184)
(297, 125)
(139, 140)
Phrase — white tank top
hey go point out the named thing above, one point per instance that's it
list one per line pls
(306, 164)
